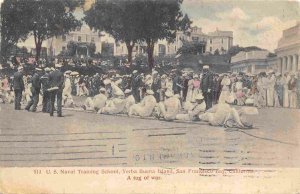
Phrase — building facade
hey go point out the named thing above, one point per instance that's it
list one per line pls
(288, 50)
(81, 35)
(251, 62)
(218, 40)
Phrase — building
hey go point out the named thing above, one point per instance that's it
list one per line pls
(218, 40)
(288, 50)
(83, 35)
(252, 62)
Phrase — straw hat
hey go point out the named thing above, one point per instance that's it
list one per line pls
(102, 90)
(58, 65)
(127, 91)
(74, 73)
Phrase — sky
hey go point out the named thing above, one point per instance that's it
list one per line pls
(253, 22)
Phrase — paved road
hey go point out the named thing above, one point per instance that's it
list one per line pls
(88, 139)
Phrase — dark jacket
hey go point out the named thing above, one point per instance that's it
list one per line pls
(56, 79)
(45, 81)
(206, 82)
(36, 81)
(18, 81)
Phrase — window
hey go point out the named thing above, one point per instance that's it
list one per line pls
(210, 49)
(64, 38)
(210, 41)
(222, 40)
(79, 38)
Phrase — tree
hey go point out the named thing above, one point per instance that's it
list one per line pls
(217, 52)
(41, 18)
(118, 18)
(160, 19)
(13, 25)
(194, 48)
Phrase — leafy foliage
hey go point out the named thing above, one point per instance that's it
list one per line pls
(41, 18)
(194, 48)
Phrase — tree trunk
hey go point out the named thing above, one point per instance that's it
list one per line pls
(38, 48)
(150, 51)
(129, 50)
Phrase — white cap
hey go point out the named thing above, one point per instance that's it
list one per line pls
(107, 81)
(150, 92)
(154, 72)
(20, 68)
(134, 71)
(127, 91)
(58, 65)
(74, 73)
(119, 93)
(169, 94)
(102, 90)
(68, 72)
(47, 69)
(205, 67)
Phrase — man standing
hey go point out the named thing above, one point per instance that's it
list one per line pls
(18, 87)
(35, 90)
(135, 85)
(46, 94)
(56, 82)
(156, 84)
(206, 86)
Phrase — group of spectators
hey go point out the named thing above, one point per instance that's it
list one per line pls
(205, 96)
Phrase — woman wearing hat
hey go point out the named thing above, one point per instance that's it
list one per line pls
(225, 93)
(195, 87)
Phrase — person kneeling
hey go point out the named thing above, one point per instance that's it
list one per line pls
(170, 107)
(193, 113)
(224, 115)
(97, 102)
(145, 107)
(114, 106)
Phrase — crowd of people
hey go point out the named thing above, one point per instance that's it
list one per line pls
(176, 95)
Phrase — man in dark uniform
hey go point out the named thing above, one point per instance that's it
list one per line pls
(156, 85)
(206, 86)
(35, 90)
(215, 89)
(46, 94)
(18, 87)
(177, 83)
(135, 86)
(56, 83)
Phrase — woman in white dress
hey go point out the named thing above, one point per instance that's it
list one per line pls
(196, 87)
(270, 90)
(286, 80)
(225, 93)
(189, 95)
